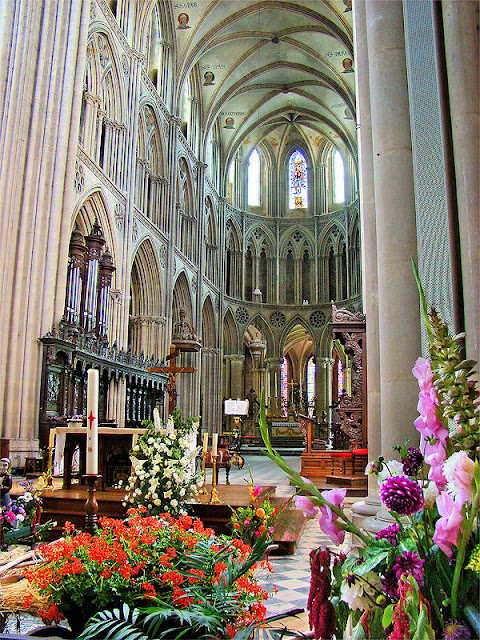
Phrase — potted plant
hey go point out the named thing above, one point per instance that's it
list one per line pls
(173, 564)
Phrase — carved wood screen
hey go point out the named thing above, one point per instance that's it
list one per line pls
(349, 329)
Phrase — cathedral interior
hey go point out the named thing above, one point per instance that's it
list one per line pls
(231, 173)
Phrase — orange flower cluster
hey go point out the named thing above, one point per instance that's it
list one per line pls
(139, 559)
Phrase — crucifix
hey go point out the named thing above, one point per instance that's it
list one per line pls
(172, 372)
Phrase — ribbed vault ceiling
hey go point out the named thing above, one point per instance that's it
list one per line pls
(270, 71)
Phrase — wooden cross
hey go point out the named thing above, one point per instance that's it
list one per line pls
(172, 372)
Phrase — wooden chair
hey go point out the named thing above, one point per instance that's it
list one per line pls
(224, 461)
(359, 452)
(343, 456)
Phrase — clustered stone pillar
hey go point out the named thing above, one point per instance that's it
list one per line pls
(398, 311)
(388, 226)
(462, 45)
(41, 94)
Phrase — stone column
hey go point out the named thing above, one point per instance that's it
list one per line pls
(371, 504)
(399, 318)
(460, 25)
(236, 379)
(40, 97)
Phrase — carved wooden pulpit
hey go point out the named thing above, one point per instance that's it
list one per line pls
(349, 329)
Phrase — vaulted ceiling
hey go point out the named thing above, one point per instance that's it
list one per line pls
(269, 70)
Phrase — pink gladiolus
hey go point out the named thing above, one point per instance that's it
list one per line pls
(423, 372)
(306, 505)
(246, 523)
(435, 455)
(327, 516)
(448, 526)
(10, 517)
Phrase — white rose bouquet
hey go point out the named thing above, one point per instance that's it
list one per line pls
(163, 459)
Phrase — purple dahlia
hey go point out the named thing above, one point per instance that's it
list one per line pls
(390, 584)
(413, 461)
(389, 534)
(411, 564)
(402, 495)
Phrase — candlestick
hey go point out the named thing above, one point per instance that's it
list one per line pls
(49, 475)
(205, 442)
(91, 505)
(214, 445)
(92, 421)
(214, 497)
(203, 489)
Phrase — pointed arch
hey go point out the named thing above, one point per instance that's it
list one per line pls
(150, 166)
(94, 207)
(187, 221)
(182, 297)
(233, 261)
(146, 324)
(211, 261)
(210, 383)
(230, 334)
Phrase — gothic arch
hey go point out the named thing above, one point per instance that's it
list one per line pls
(182, 298)
(328, 238)
(146, 323)
(289, 241)
(260, 236)
(260, 323)
(146, 281)
(296, 320)
(283, 174)
(103, 64)
(209, 382)
(93, 207)
(230, 334)
(209, 324)
(150, 141)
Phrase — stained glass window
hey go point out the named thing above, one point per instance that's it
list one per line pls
(253, 179)
(338, 177)
(311, 385)
(341, 379)
(284, 386)
(297, 181)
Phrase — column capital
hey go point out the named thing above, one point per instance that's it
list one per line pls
(235, 357)
(274, 362)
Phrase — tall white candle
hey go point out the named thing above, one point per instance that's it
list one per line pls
(205, 442)
(214, 444)
(92, 421)
(51, 438)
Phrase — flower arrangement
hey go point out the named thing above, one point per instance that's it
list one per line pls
(164, 475)
(25, 510)
(173, 564)
(250, 522)
(414, 578)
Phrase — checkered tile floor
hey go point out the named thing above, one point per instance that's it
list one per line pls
(291, 575)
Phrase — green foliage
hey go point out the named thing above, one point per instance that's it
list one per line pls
(213, 612)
